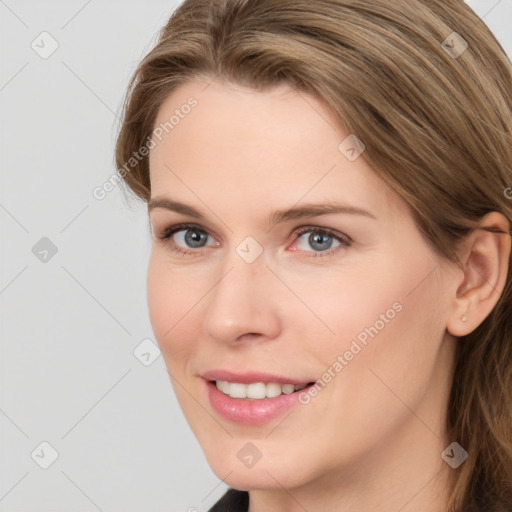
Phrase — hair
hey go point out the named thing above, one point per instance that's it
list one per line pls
(436, 126)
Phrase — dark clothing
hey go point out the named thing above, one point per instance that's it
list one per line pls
(232, 501)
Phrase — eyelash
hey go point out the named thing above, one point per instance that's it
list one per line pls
(168, 232)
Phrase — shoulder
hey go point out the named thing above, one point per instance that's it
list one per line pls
(232, 501)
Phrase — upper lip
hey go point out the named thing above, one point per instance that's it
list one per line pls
(252, 377)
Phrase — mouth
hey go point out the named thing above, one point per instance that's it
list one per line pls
(252, 398)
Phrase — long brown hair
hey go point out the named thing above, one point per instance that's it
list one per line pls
(428, 89)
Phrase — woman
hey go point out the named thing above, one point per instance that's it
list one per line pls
(328, 185)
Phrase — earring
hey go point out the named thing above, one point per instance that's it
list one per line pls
(463, 318)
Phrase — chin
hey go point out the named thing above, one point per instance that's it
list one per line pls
(269, 472)
(245, 479)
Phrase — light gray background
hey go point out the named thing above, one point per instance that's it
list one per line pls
(70, 324)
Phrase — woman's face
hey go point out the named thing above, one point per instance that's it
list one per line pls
(296, 264)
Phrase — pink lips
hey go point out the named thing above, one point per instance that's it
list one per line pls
(249, 377)
(246, 411)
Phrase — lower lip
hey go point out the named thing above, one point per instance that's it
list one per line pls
(251, 412)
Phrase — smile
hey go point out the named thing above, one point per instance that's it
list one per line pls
(252, 398)
(256, 390)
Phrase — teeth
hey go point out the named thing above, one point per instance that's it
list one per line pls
(257, 390)
(238, 390)
(288, 388)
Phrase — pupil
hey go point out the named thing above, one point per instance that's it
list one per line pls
(320, 242)
(194, 238)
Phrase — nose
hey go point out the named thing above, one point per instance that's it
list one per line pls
(243, 303)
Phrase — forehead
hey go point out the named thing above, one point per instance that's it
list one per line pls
(262, 144)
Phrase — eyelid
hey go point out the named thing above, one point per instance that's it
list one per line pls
(170, 230)
(331, 232)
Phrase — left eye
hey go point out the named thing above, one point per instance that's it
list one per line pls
(319, 240)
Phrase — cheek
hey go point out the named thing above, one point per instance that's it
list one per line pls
(346, 306)
(396, 362)
(160, 301)
(172, 297)
(387, 327)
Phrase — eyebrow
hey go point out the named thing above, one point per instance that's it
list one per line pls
(275, 217)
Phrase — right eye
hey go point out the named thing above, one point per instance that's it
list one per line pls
(185, 238)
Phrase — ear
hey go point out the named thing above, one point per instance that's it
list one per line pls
(485, 260)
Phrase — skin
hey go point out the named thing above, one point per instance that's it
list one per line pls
(372, 438)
